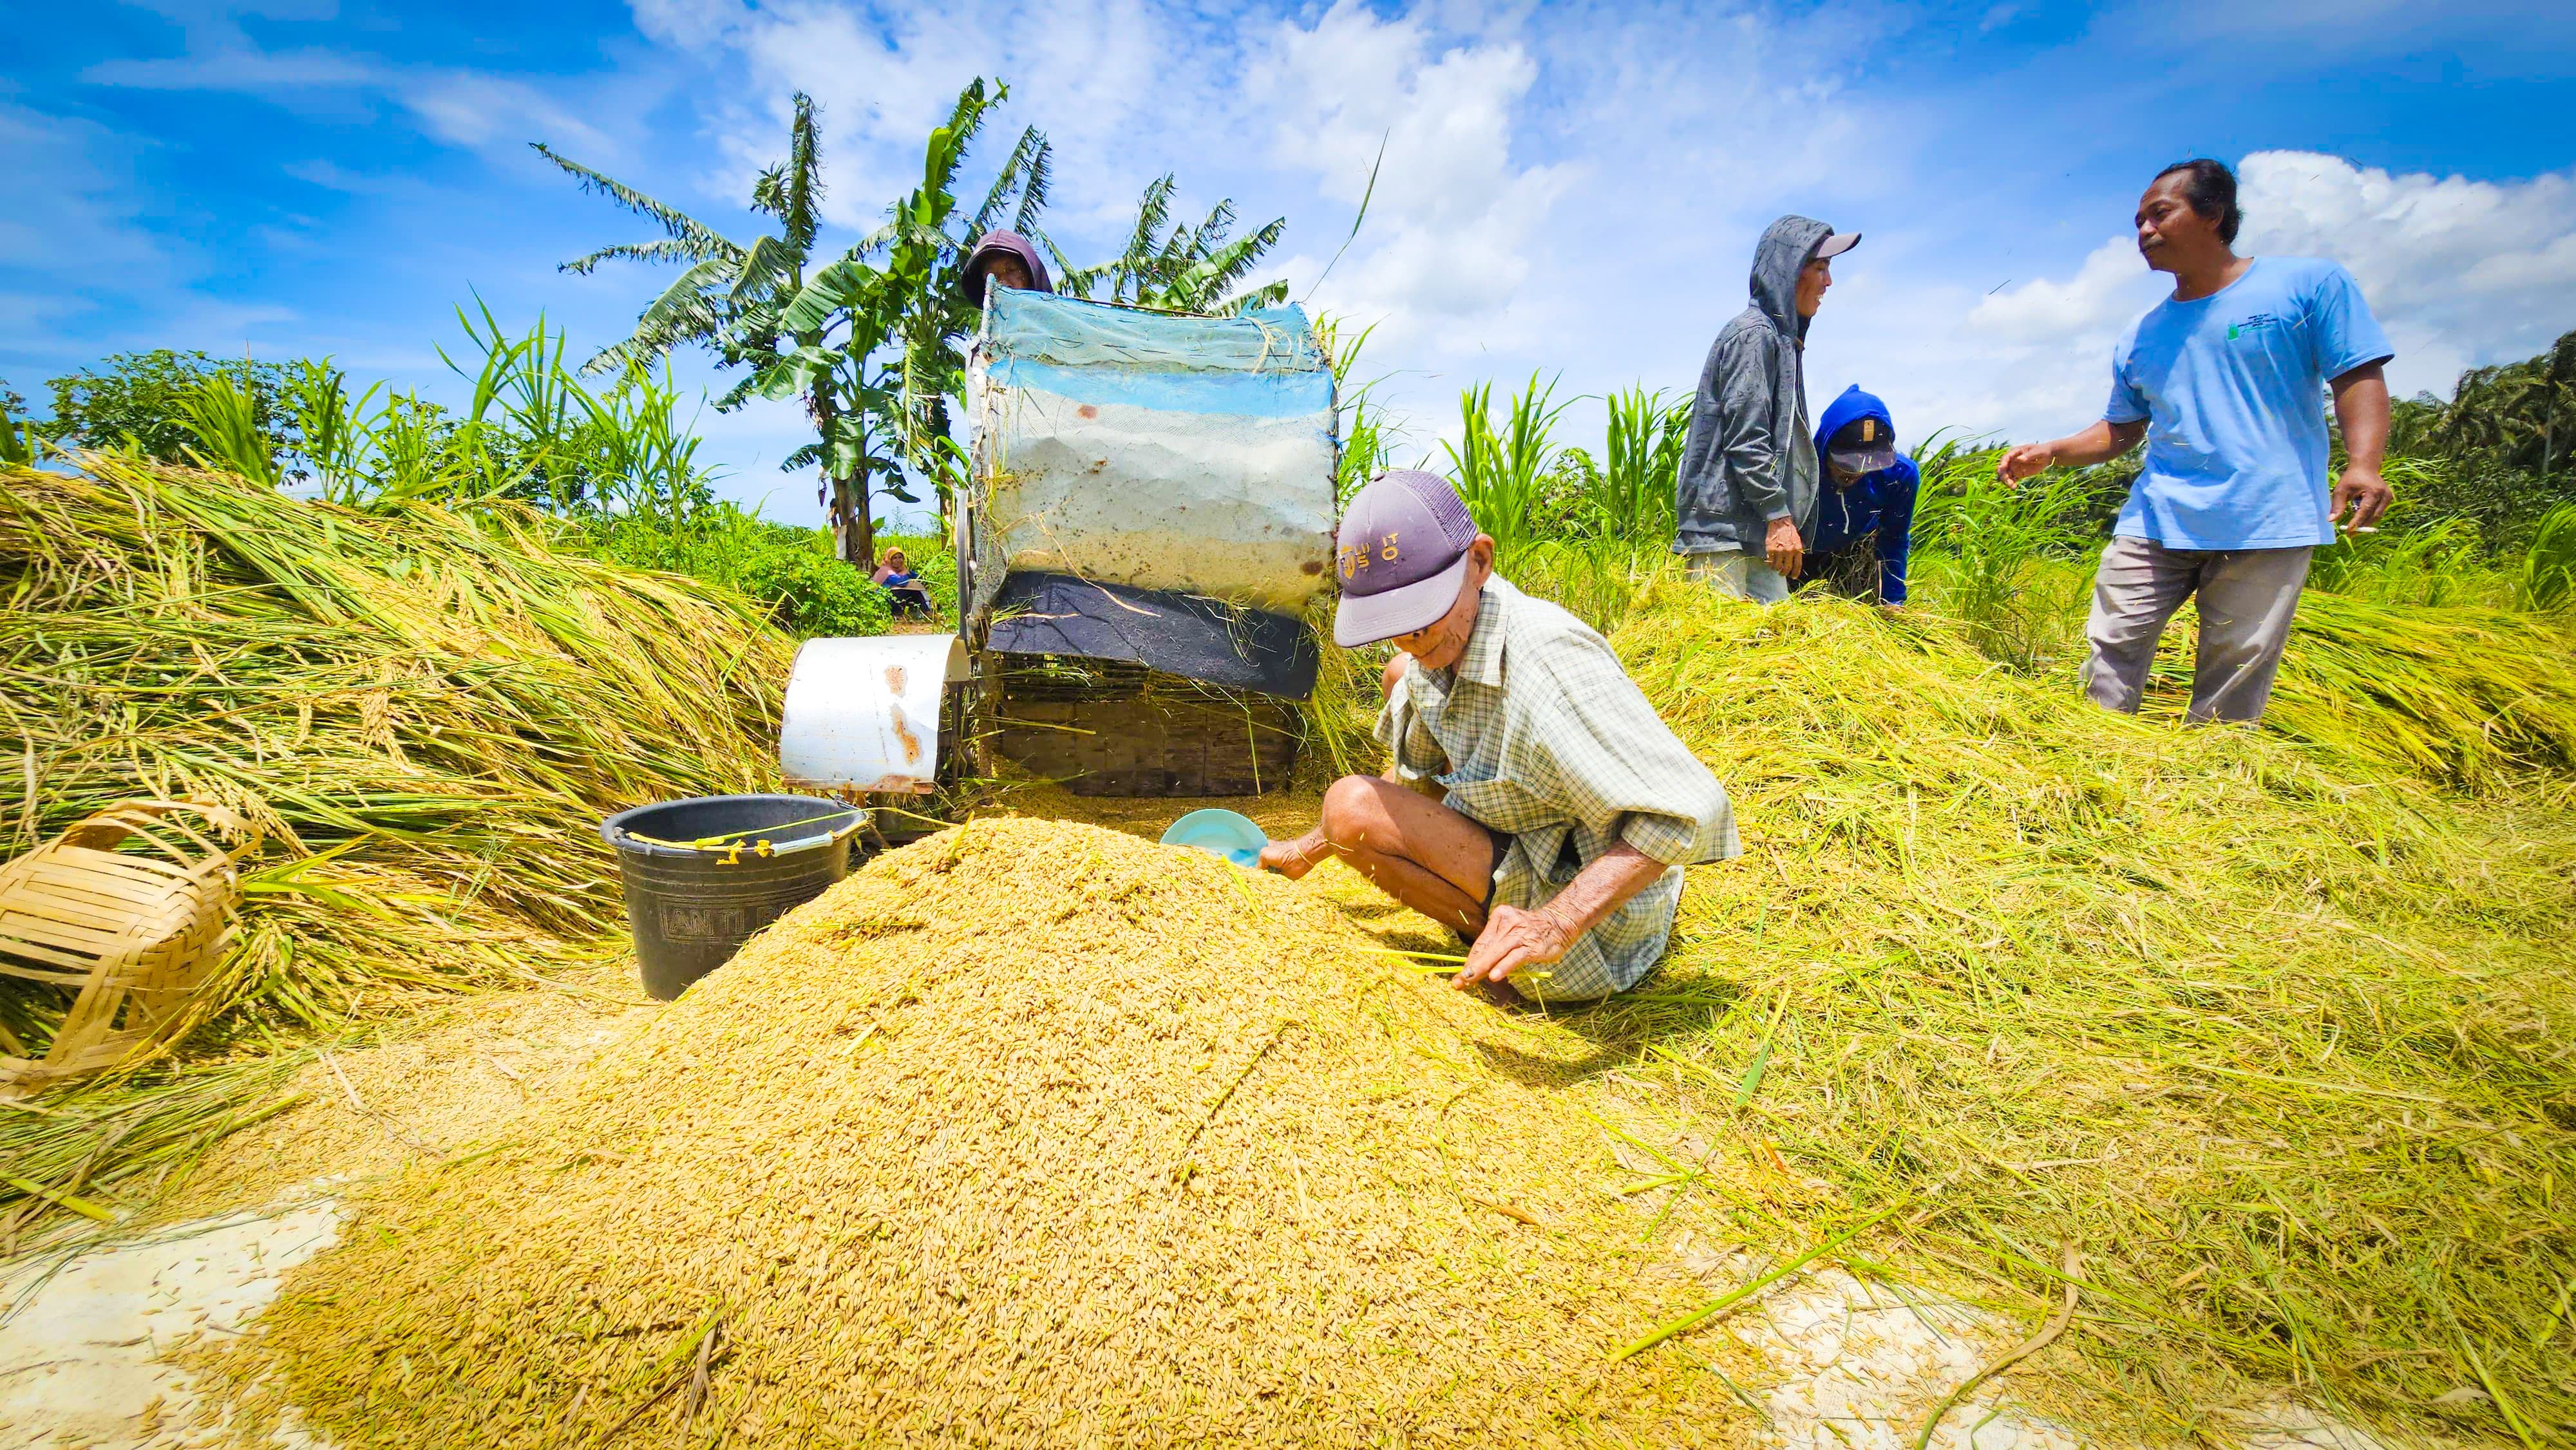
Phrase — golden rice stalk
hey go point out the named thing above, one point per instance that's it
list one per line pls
(426, 714)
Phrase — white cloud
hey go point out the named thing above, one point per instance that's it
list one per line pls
(2460, 272)
(460, 107)
(468, 108)
(2103, 295)
(332, 176)
(86, 220)
(241, 68)
(1099, 71)
(2031, 360)
(1454, 225)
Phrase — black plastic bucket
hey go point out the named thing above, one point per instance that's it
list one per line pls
(692, 905)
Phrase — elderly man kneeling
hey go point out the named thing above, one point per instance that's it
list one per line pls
(1567, 804)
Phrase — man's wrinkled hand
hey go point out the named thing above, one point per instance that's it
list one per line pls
(2365, 493)
(1782, 549)
(1512, 939)
(2024, 460)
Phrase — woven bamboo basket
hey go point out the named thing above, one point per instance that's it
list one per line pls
(128, 912)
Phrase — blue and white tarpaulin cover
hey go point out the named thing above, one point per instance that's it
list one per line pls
(1153, 450)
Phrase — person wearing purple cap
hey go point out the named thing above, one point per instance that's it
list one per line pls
(1745, 495)
(1007, 258)
(1566, 804)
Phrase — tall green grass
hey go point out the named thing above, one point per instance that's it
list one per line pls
(531, 431)
(1989, 543)
(2546, 576)
(1503, 471)
(1641, 456)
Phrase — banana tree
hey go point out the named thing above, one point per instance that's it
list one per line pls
(732, 300)
(1188, 269)
(922, 252)
(872, 350)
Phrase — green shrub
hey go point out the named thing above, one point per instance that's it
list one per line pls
(790, 571)
(807, 590)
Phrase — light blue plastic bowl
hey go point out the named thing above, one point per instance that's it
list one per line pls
(1219, 833)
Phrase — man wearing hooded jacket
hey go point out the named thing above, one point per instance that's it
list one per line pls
(1745, 497)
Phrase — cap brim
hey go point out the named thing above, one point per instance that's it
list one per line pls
(1375, 618)
(1837, 243)
(1864, 460)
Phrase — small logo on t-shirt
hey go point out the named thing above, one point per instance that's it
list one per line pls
(2236, 330)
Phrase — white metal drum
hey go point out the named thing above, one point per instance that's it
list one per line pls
(863, 714)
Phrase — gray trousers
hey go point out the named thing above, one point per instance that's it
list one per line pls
(2246, 599)
(1737, 573)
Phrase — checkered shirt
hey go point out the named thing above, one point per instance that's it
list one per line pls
(1538, 733)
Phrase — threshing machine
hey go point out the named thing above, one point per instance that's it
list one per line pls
(1149, 523)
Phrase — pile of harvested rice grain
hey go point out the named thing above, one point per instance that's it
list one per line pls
(1031, 1133)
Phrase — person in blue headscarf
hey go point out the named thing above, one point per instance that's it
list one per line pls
(1865, 511)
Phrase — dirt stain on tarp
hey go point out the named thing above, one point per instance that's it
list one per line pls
(894, 678)
(903, 732)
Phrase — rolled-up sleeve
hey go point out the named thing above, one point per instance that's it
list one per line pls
(1607, 760)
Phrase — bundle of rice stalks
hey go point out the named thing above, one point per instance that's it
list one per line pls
(2284, 1058)
(1027, 1134)
(425, 714)
(2459, 693)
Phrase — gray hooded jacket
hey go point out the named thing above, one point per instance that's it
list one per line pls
(1751, 457)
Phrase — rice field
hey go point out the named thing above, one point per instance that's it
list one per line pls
(2256, 1040)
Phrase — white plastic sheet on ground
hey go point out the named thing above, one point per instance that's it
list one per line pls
(1154, 450)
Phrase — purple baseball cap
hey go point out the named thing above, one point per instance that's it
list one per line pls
(1401, 553)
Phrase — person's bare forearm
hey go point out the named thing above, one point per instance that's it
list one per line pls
(2098, 444)
(1602, 888)
(2361, 411)
(1513, 938)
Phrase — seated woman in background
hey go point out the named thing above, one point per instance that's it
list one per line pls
(910, 596)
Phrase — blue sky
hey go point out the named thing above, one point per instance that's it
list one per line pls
(1573, 189)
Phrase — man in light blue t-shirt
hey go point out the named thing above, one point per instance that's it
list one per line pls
(2225, 380)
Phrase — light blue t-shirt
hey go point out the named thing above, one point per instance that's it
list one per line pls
(2232, 389)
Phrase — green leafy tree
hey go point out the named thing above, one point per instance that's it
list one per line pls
(866, 348)
(2521, 413)
(923, 248)
(145, 399)
(729, 300)
(1185, 268)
